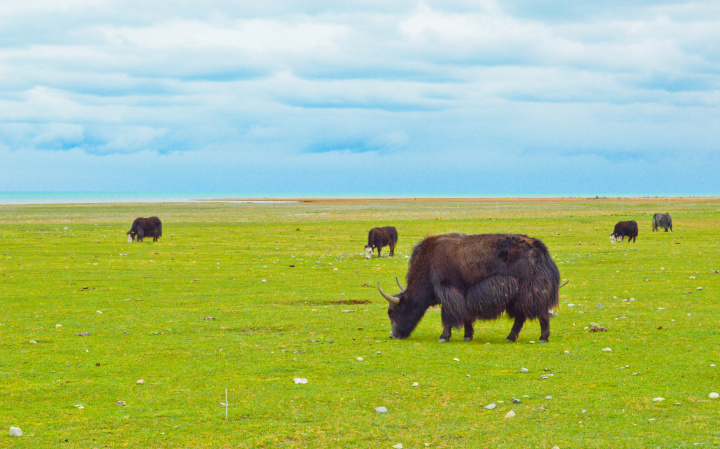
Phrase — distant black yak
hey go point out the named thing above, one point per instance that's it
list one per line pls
(145, 227)
(624, 229)
(661, 221)
(379, 237)
(477, 277)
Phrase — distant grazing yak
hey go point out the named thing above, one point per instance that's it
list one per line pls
(661, 221)
(476, 277)
(624, 229)
(379, 237)
(145, 227)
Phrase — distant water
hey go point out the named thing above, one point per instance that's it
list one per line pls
(105, 197)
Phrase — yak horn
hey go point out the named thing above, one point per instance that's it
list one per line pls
(402, 289)
(566, 283)
(391, 299)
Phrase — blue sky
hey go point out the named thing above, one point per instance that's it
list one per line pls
(361, 98)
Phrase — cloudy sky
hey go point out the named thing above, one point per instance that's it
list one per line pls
(361, 98)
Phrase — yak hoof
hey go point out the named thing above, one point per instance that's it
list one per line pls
(443, 340)
(542, 341)
(510, 340)
(467, 339)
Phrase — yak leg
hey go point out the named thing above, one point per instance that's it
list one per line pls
(469, 331)
(379, 249)
(445, 336)
(392, 250)
(517, 327)
(544, 328)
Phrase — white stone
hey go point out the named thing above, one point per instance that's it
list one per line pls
(566, 351)
(121, 403)
(264, 281)
(415, 384)
(524, 370)
(15, 432)
(490, 406)
(548, 397)
(398, 446)
(607, 349)
(510, 414)
(359, 359)
(699, 288)
(712, 365)
(456, 359)
(714, 395)
(140, 382)
(380, 410)
(300, 380)
(658, 399)
(33, 342)
(556, 447)
(58, 326)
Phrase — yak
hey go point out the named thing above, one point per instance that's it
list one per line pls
(661, 221)
(624, 229)
(142, 227)
(476, 277)
(379, 237)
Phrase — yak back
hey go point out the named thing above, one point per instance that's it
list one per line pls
(624, 228)
(149, 226)
(379, 237)
(483, 275)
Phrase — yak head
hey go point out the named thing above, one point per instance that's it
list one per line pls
(615, 238)
(368, 251)
(131, 236)
(404, 313)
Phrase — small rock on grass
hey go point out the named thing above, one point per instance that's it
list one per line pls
(121, 403)
(380, 409)
(300, 380)
(524, 370)
(398, 446)
(510, 414)
(491, 406)
(140, 382)
(714, 395)
(658, 399)
(15, 432)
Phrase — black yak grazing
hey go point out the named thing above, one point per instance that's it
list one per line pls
(661, 221)
(379, 237)
(624, 229)
(477, 277)
(145, 227)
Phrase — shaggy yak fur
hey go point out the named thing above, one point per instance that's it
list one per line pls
(477, 277)
(661, 221)
(145, 227)
(379, 237)
(623, 229)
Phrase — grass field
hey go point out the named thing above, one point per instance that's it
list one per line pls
(247, 297)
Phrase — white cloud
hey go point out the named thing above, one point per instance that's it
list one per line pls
(355, 82)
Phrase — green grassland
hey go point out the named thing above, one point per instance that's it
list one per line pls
(247, 297)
